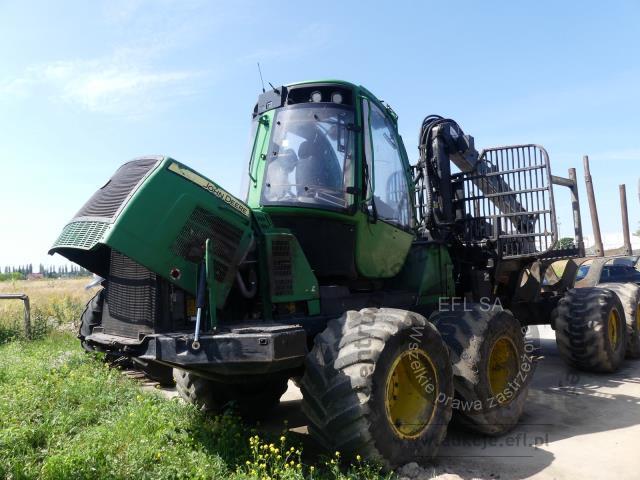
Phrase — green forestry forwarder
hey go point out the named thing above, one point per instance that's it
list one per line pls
(327, 272)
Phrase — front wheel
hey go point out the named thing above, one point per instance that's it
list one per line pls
(251, 399)
(378, 383)
(91, 317)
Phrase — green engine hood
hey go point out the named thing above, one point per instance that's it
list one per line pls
(158, 212)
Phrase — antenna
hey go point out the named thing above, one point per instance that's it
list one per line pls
(261, 80)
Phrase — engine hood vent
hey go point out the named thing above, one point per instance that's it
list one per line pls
(105, 203)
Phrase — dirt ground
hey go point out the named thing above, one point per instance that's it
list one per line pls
(575, 426)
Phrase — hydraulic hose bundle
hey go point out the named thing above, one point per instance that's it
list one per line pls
(437, 144)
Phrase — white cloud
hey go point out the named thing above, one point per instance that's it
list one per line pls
(16, 87)
(122, 83)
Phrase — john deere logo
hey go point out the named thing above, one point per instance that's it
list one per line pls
(210, 187)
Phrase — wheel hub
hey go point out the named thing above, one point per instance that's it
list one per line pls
(411, 392)
(613, 328)
(502, 366)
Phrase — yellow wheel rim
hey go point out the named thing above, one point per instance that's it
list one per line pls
(502, 366)
(411, 391)
(613, 325)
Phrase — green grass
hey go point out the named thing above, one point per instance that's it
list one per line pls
(65, 414)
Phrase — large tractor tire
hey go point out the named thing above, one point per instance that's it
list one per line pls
(629, 295)
(492, 369)
(251, 400)
(91, 317)
(591, 331)
(378, 383)
(155, 371)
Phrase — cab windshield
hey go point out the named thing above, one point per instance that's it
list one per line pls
(310, 161)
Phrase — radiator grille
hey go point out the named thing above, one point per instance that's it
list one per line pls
(81, 234)
(106, 201)
(282, 268)
(201, 225)
(131, 298)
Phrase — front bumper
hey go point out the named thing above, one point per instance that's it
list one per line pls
(240, 350)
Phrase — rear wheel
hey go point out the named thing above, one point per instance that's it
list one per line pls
(629, 295)
(250, 399)
(377, 383)
(491, 367)
(591, 331)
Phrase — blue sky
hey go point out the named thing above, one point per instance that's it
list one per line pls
(85, 86)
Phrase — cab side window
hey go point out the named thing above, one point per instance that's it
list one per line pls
(387, 177)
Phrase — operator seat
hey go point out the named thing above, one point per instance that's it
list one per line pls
(317, 166)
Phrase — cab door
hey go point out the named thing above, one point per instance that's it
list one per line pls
(385, 235)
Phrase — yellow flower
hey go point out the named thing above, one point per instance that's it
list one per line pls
(358, 457)
(282, 438)
(312, 468)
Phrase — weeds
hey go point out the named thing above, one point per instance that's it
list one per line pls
(66, 414)
(55, 304)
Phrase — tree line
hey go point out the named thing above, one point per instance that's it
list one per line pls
(21, 272)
